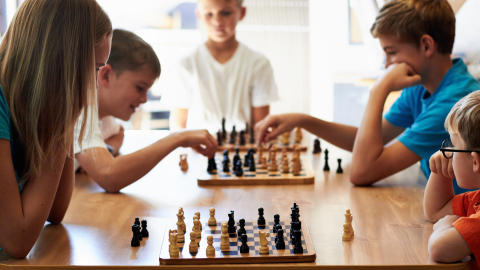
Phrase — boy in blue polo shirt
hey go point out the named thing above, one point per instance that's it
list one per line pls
(417, 37)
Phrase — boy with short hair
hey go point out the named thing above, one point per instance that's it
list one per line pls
(456, 232)
(222, 78)
(123, 83)
(417, 37)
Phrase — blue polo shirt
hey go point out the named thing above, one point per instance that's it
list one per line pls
(423, 115)
(5, 125)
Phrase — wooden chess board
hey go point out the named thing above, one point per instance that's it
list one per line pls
(243, 148)
(234, 256)
(259, 177)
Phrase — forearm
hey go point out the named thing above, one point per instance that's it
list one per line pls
(64, 192)
(447, 245)
(342, 136)
(438, 193)
(116, 142)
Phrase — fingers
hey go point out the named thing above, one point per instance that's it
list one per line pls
(261, 128)
(451, 173)
(433, 167)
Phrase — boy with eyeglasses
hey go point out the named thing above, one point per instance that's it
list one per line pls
(456, 231)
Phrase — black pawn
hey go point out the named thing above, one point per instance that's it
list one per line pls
(234, 131)
(236, 158)
(276, 220)
(252, 166)
(219, 138)
(231, 222)
(226, 165)
(212, 166)
(244, 247)
(239, 171)
(279, 242)
(246, 161)
(252, 135)
(224, 131)
(241, 141)
(137, 222)
(278, 228)
(242, 228)
(298, 248)
(339, 169)
(326, 167)
(144, 228)
(316, 147)
(135, 242)
(261, 219)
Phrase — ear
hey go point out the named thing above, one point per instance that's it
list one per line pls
(104, 75)
(243, 12)
(427, 45)
(197, 12)
(476, 162)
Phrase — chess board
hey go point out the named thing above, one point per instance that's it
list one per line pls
(243, 148)
(233, 255)
(259, 177)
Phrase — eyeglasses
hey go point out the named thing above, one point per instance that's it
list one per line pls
(448, 149)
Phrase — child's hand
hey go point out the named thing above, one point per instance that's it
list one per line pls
(280, 123)
(445, 222)
(399, 76)
(441, 165)
(200, 140)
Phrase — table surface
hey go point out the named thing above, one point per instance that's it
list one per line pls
(391, 230)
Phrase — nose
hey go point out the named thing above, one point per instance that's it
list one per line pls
(218, 21)
(388, 62)
(143, 97)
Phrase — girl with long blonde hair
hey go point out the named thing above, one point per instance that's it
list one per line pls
(48, 62)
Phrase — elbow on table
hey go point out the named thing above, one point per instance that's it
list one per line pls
(440, 251)
(360, 177)
(107, 180)
(18, 249)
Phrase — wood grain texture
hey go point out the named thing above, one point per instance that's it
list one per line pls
(391, 230)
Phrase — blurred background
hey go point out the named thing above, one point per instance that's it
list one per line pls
(323, 55)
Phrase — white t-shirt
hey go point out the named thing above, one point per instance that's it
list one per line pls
(106, 128)
(212, 91)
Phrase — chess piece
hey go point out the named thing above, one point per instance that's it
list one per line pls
(284, 153)
(273, 161)
(261, 219)
(195, 217)
(252, 167)
(212, 165)
(264, 242)
(260, 153)
(276, 221)
(236, 158)
(316, 147)
(226, 164)
(244, 247)
(219, 138)
(193, 247)
(285, 139)
(137, 222)
(212, 221)
(198, 215)
(298, 135)
(264, 163)
(183, 163)
(252, 135)
(239, 171)
(180, 232)
(298, 248)
(246, 161)
(224, 238)
(135, 242)
(339, 169)
(241, 230)
(173, 243)
(280, 241)
(233, 136)
(295, 167)
(347, 227)
(273, 149)
(224, 131)
(181, 217)
(144, 228)
(278, 228)
(231, 222)
(196, 228)
(326, 167)
(241, 141)
(210, 248)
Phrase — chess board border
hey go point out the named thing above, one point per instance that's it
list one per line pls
(261, 178)
(200, 258)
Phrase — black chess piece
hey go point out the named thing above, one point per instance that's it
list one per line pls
(236, 158)
(239, 171)
(252, 167)
(212, 165)
(298, 248)
(339, 169)
(219, 138)
(261, 219)
(316, 147)
(224, 131)
(252, 135)
(242, 228)
(246, 127)
(276, 221)
(233, 136)
(226, 165)
(246, 161)
(226, 153)
(278, 228)
(326, 167)
(137, 222)
(241, 141)
(279, 242)
(144, 228)
(244, 247)
(231, 222)
(234, 131)
(135, 242)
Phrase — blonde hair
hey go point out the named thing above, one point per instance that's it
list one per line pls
(464, 118)
(239, 2)
(47, 72)
(409, 20)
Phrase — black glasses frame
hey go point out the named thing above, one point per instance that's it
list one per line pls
(453, 150)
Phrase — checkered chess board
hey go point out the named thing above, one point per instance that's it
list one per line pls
(259, 177)
(234, 255)
(231, 146)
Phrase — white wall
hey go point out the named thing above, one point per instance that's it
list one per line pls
(467, 40)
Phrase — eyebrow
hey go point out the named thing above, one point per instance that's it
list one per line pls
(387, 47)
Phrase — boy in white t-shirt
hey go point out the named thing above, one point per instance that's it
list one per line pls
(123, 83)
(222, 78)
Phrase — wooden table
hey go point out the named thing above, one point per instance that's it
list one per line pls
(390, 228)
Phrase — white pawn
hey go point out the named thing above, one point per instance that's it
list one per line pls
(195, 217)
(196, 229)
(210, 248)
(198, 215)
(173, 243)
(193, 247)
(212, 221)
(224, 238)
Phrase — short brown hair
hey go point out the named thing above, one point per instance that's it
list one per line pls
(130, 52)
(464, 118)
(239, 2)
(409, 20)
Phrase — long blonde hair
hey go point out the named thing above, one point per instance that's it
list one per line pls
(47, 73)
